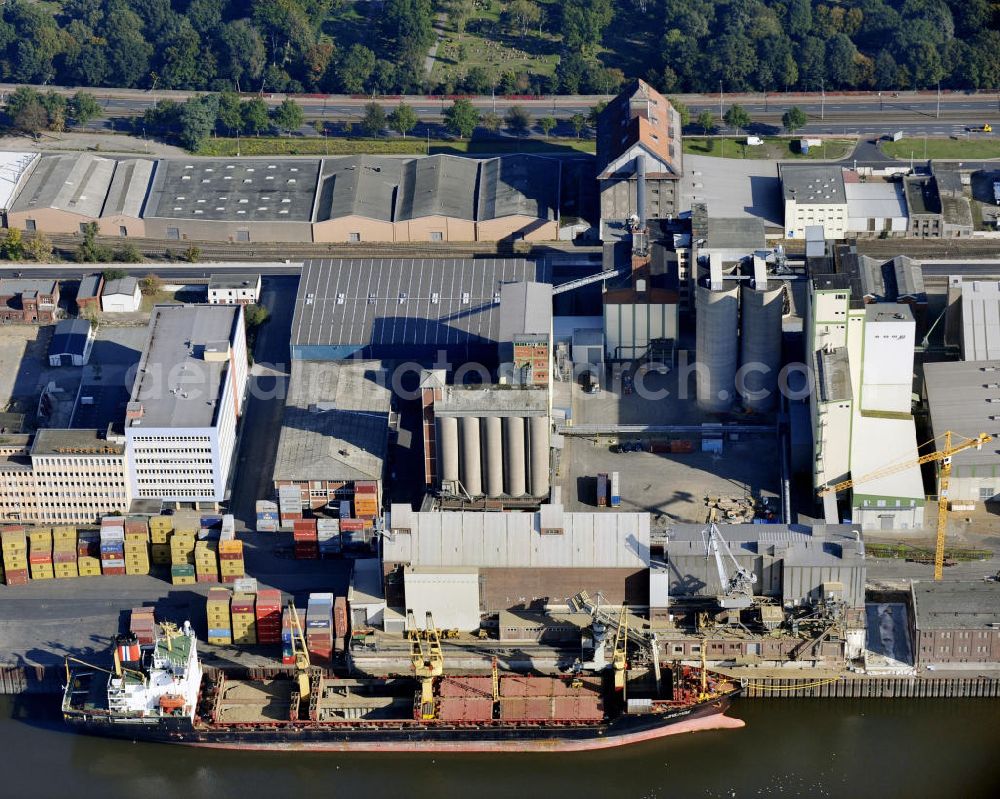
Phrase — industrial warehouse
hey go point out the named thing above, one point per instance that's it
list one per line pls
(353, 199)
(500, 498)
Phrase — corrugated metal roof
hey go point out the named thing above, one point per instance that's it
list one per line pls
(74, 183)
(964, 397)
(525, 308)
(639, 115)
(439, 185)
(875, 199)
(70, 337)
(375, 305)
(513, 540)
(980, 320)
(360, 186)
(129, 187)
(519, 184)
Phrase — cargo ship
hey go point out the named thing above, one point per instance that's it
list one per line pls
(158, 692)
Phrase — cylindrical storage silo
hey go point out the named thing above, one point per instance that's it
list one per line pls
(538, 452)
(492, 436)
(448, 447)
(471, 459)
(760, 346)
(513, 456)
(716, 346)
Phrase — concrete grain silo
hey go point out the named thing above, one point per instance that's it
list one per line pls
(716, 345)
(538, 448)
(492, 436)
(514, 461)
(760, 343)
(448, 447)
(471, 461)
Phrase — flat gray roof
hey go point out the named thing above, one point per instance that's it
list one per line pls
(90, 286)
(11, 286)
(888, 312)
(820, 544)
(519, 185)
(956, 604)
(74, 183)
(123, 285)
(514, 540)
(745, 233)
(232, 280)
(834, 375)
(816, 185)
(525, 308)
(238, 190)
(980, 320)
(438, 185)
(74, 442)
(129, 187)
(335, 425)
(963, 397)
(360, 185)
(508, 400)
(389, 303)
(174, 383)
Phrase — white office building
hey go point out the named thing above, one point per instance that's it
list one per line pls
(188, 394)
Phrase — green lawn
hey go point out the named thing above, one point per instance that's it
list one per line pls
(223, 147)
(266, 145)
(976, 148)
(487, 43)
(774, 148)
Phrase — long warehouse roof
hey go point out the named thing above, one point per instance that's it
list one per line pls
(381, 302)
(514, 540)
(963, 396)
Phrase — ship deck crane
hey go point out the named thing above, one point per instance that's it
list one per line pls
(605, 619)
(735, 580)
(426, 658)
(301, 652)
(942, 455)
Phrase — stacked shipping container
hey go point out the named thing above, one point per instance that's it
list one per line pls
(268, 613)
(88, 553)
(40, 553)
(217, 609)
(113, 545)
(305, 536)
(319, 627)
(182, 544)
(142, 625)
(136, 545)
(15, 555)
(64, 552)
(244, 619)
(267, 516)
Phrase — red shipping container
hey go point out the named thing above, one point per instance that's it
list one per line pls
(115, 570)
(352, 525)
(16, 577)
(228, 579)
(206, 578)
(340, 616)
(40, 557)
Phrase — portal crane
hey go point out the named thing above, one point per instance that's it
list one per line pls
(735, 580)
(426, 658)
(942, 455)
(604, 619)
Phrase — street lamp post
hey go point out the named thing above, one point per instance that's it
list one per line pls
(822, 99)
(938, 114)
(720, 99)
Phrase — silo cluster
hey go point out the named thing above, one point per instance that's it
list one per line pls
(495, 456)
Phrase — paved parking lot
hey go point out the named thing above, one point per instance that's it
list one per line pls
(674, 485)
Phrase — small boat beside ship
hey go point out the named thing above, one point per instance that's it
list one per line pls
(159, 692)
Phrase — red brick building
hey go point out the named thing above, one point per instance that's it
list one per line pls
(28, 301)
(956, 622)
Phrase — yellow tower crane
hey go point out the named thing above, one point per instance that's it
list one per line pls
(944, 456)
(426, 658)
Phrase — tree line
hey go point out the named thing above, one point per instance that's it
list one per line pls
(696, 45)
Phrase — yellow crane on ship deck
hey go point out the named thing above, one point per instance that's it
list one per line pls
(942, 455)
(426, 658)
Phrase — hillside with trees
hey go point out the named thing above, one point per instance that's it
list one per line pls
(368, 47)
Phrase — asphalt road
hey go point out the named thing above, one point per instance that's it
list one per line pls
(856, 113)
